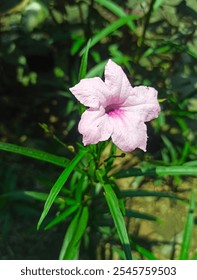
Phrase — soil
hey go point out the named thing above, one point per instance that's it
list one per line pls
(163, 237)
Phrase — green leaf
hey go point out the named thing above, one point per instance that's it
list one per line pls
(138, 215)
(109, 29)
(157, 4)
(39, 196)
(59, 184)
(146, 253)
(33, 153)
(84, 61)
(157, 171)
(170, 148)
(43, 197)
(62, 216)
(190, 163)
(138, 193)
(185, 247)
(23, 195)
(119, 251)
(76, 229)
(96, 70)
(118, 219)
(117, 10)
(69, 234)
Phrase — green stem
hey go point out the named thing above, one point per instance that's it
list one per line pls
(146, 24)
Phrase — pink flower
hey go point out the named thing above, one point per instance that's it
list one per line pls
(116, 109)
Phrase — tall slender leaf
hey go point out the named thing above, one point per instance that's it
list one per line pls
(97, 70)
(117, 10)
(146, 253)
(40, 196)
(157, 171)
(117, 216)
(171, 148)
(139, 193)
(109, 29)
(66, 213)
(69, 234)
(84, 61)
(73, 236)
(184, 255)
(34, 153)
(59, 184)
(135, 214)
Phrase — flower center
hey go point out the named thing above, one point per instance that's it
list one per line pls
(113, 111)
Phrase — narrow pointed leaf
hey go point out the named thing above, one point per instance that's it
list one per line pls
(146, 253)
(138, 193)
(59, 184)
(118, 219)
(185, 248)
(139, 215)
(34, 153)
(109, 29)
(97, 70)
(74, 234)
(117, 10)
(69, 234)
(62, 216)
(157, 171)
(84, 62)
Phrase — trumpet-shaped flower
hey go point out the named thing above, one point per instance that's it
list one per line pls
(116, 109)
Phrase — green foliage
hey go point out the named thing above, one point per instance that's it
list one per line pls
(46, 47)
(118, 219)
(59, 184)
(157, 171)
(109, 29)
(185, 248)
(33, 153)
(75, 231)
(144, 252)
(116, 10)
(84, 62)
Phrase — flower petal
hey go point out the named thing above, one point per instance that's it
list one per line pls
(94, 126)
(129, 132)
(117, 83)
(143, 101)
(90, 92)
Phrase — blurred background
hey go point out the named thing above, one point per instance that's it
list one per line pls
(41, 43)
